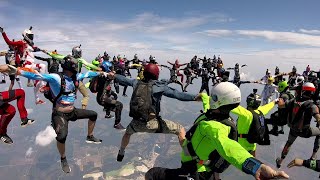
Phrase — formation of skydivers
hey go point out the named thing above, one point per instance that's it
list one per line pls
(213, 142)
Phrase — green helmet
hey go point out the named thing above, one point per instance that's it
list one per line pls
(95, 62)
(282, 85)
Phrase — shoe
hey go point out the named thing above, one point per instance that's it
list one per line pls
(191, 82)
(92, 139)
(65, 166)
(120, 157)
(278, 162)
(281, 132)
(6, 139)
(30, 84)
(3, 81)
(124, 95)
(119, 126)
(108, 116)
(274, 132)
(26, 122)
(40, 102)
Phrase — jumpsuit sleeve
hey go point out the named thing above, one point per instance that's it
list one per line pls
(265, 109)
(123, 81)
(58, 57)
(205, 101)
(11, 43)
(229, 149)
(41, 58)
(88, 65)
(31, 74)
(312, 164)
(89, 74)
(241, 112)
(173, 93)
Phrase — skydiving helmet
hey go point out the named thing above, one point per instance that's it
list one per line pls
(70, 63)
(277, 70)
(27, 35)
(135, 56)
(294, 69)
(224, 94)
(254, 100)
(106, 66)
(300, 80)
(308, 90)
(77, 52)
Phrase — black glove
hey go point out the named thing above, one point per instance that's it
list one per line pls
(1, 30)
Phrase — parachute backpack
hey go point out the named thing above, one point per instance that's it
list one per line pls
(258, 132)
(141, 101)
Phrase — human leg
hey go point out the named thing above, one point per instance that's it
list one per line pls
(83, 90)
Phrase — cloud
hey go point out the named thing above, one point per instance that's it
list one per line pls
(29, 152)
(140, 45)
(46, 136)
(29, 111)
(218, 32)
(274, 36)
(317, 32)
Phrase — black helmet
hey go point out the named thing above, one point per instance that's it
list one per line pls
(294, 69)
(237, 64)
(70, 63)
(253, 101)
(277, 69)
(77, 52)
(135, 56)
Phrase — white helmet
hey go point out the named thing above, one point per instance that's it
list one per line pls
(77, 52)
(224, 93)
(300, 80)
(27, 35)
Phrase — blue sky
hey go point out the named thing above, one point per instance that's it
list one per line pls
(170, 29)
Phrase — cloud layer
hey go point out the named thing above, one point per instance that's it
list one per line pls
(46, 136)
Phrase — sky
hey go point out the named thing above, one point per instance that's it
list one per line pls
(262, 34)
(248, 31)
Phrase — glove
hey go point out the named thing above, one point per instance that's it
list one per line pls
(1, 30)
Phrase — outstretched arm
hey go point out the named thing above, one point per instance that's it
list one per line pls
(173, 93)
(11, 43)
(236, 155)
(170, 63)
(42, 59)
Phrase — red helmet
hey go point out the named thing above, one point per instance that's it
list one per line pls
(152, 69)
(308, 87)
(177, 61)
(108, 88)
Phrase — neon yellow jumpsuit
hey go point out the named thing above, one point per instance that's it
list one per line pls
(213, 135)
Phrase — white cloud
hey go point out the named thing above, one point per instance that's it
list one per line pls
(286, 37)
(275, 36)
(317, 32)
(29, 111)
(218, 32)
(29, 152)
(46, 136)
(140, 45)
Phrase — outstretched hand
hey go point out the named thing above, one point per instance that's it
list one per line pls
(266, 172)
(295, 162)
(1, 29)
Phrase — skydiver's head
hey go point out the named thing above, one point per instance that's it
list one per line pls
(151, 72)
(28, 35)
